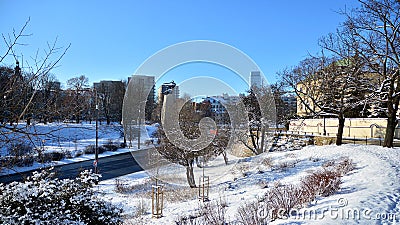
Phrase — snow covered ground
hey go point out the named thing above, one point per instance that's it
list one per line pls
(370, 194)
(70, 139)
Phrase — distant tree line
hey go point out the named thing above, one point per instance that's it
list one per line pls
(43, 100)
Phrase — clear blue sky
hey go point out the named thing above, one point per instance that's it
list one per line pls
(110, 39)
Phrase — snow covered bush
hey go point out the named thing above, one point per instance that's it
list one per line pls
(345, 166)
(252, 213)
(267, 162)
(19, 154)
(213, 212)
(327, 181)
(282, 199)
(188, 220)
(110, 146)
(324, 183)
(279, 201)
(91, 149)
(142, 208)
(43, 199)
(20, 149)
(51, 156)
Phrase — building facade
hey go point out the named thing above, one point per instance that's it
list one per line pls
(256, 79)
(146, 84)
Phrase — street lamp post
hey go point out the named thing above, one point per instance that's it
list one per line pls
(138, 145)
(96, 151)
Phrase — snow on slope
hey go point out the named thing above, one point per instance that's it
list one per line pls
(371, 191)
(368, 195)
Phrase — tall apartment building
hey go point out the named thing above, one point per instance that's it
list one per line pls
(256, 79)
(147, 85)
(175, 92)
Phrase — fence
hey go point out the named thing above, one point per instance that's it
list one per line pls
(366, 140)
(353, 127)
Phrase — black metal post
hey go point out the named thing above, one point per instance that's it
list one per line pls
(96, 151)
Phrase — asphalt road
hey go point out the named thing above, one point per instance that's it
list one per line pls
(109, 167)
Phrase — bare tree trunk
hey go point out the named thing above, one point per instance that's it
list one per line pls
(190, 174)
(339, 135)
(225, 157)
(78, 115)
(197, 162)
(390, 129)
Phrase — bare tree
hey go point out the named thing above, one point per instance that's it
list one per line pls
(78, 86)
(285, 110)
(260, 107)
(111, 96)
(179, 149)
(20, 87)
(303, 81)
(330, 85)
(345, 83)
(375, 26)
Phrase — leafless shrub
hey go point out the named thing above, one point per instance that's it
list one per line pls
(345, 166)
(142, 208)
(252, 213)
(111, 146)
(290, 155)
(19, 154)
(309, 191)
(180, 194)
(267, 162)
(134, 221)
(51, 156)
(91, 149)
(241, 169)
(262, 183)
(284, 166)
(20, 149)
(329, 163)
(314, 159)
(189, 220)
(142, 189)
(213, 212)
(120, 186)
(324, 183)
(282, 199)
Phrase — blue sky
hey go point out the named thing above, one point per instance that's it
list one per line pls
(110, 39)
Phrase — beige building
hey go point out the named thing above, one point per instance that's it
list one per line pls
(309, 92)
(353, 127)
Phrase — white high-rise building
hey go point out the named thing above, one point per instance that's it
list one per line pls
(256, 79)
(146, 81)
(176, 92)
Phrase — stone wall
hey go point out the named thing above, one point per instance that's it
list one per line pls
(353, 127)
